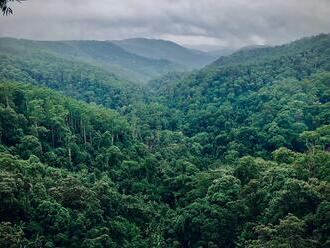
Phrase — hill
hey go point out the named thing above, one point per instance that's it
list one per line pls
(168, 50)
(26, 62)
(213, 50)
(300, 49)
(225, 98)
(104, 54)
(233, 155)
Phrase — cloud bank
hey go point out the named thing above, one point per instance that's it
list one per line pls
(227, 23)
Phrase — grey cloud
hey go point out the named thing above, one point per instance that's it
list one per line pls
(223, 22)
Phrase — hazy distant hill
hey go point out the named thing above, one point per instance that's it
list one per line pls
(101, 53)
(212, 50)
(38, 64)
(168, 50)
(137, 60)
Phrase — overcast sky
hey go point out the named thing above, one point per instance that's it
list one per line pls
(228, 23)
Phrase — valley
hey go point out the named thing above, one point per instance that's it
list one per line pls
(121, 144)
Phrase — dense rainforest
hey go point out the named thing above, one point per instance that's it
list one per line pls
(232, 155)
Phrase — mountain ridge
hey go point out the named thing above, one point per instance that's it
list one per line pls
(104, 53)
(168, 50)
(235, 154)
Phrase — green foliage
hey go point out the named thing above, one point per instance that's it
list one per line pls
(290, 232)
(252, 102)
(235, 155)
(104, 57)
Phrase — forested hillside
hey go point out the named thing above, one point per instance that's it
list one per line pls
(103, 54)
(170, 51)
(77, 79)
(233, 155)
(258, 97)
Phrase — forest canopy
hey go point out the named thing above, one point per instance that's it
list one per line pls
(233, 155)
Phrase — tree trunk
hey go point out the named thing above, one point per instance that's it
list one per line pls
(84, 134)
(70, 157)
(53, 137)
(7, 101)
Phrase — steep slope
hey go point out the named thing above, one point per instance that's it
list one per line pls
(231, 101)
(167, 50)
(300, 49)
(73, 78)
(100, 53)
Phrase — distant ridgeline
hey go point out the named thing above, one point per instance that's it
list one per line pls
(233, 155)
(137, 60)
